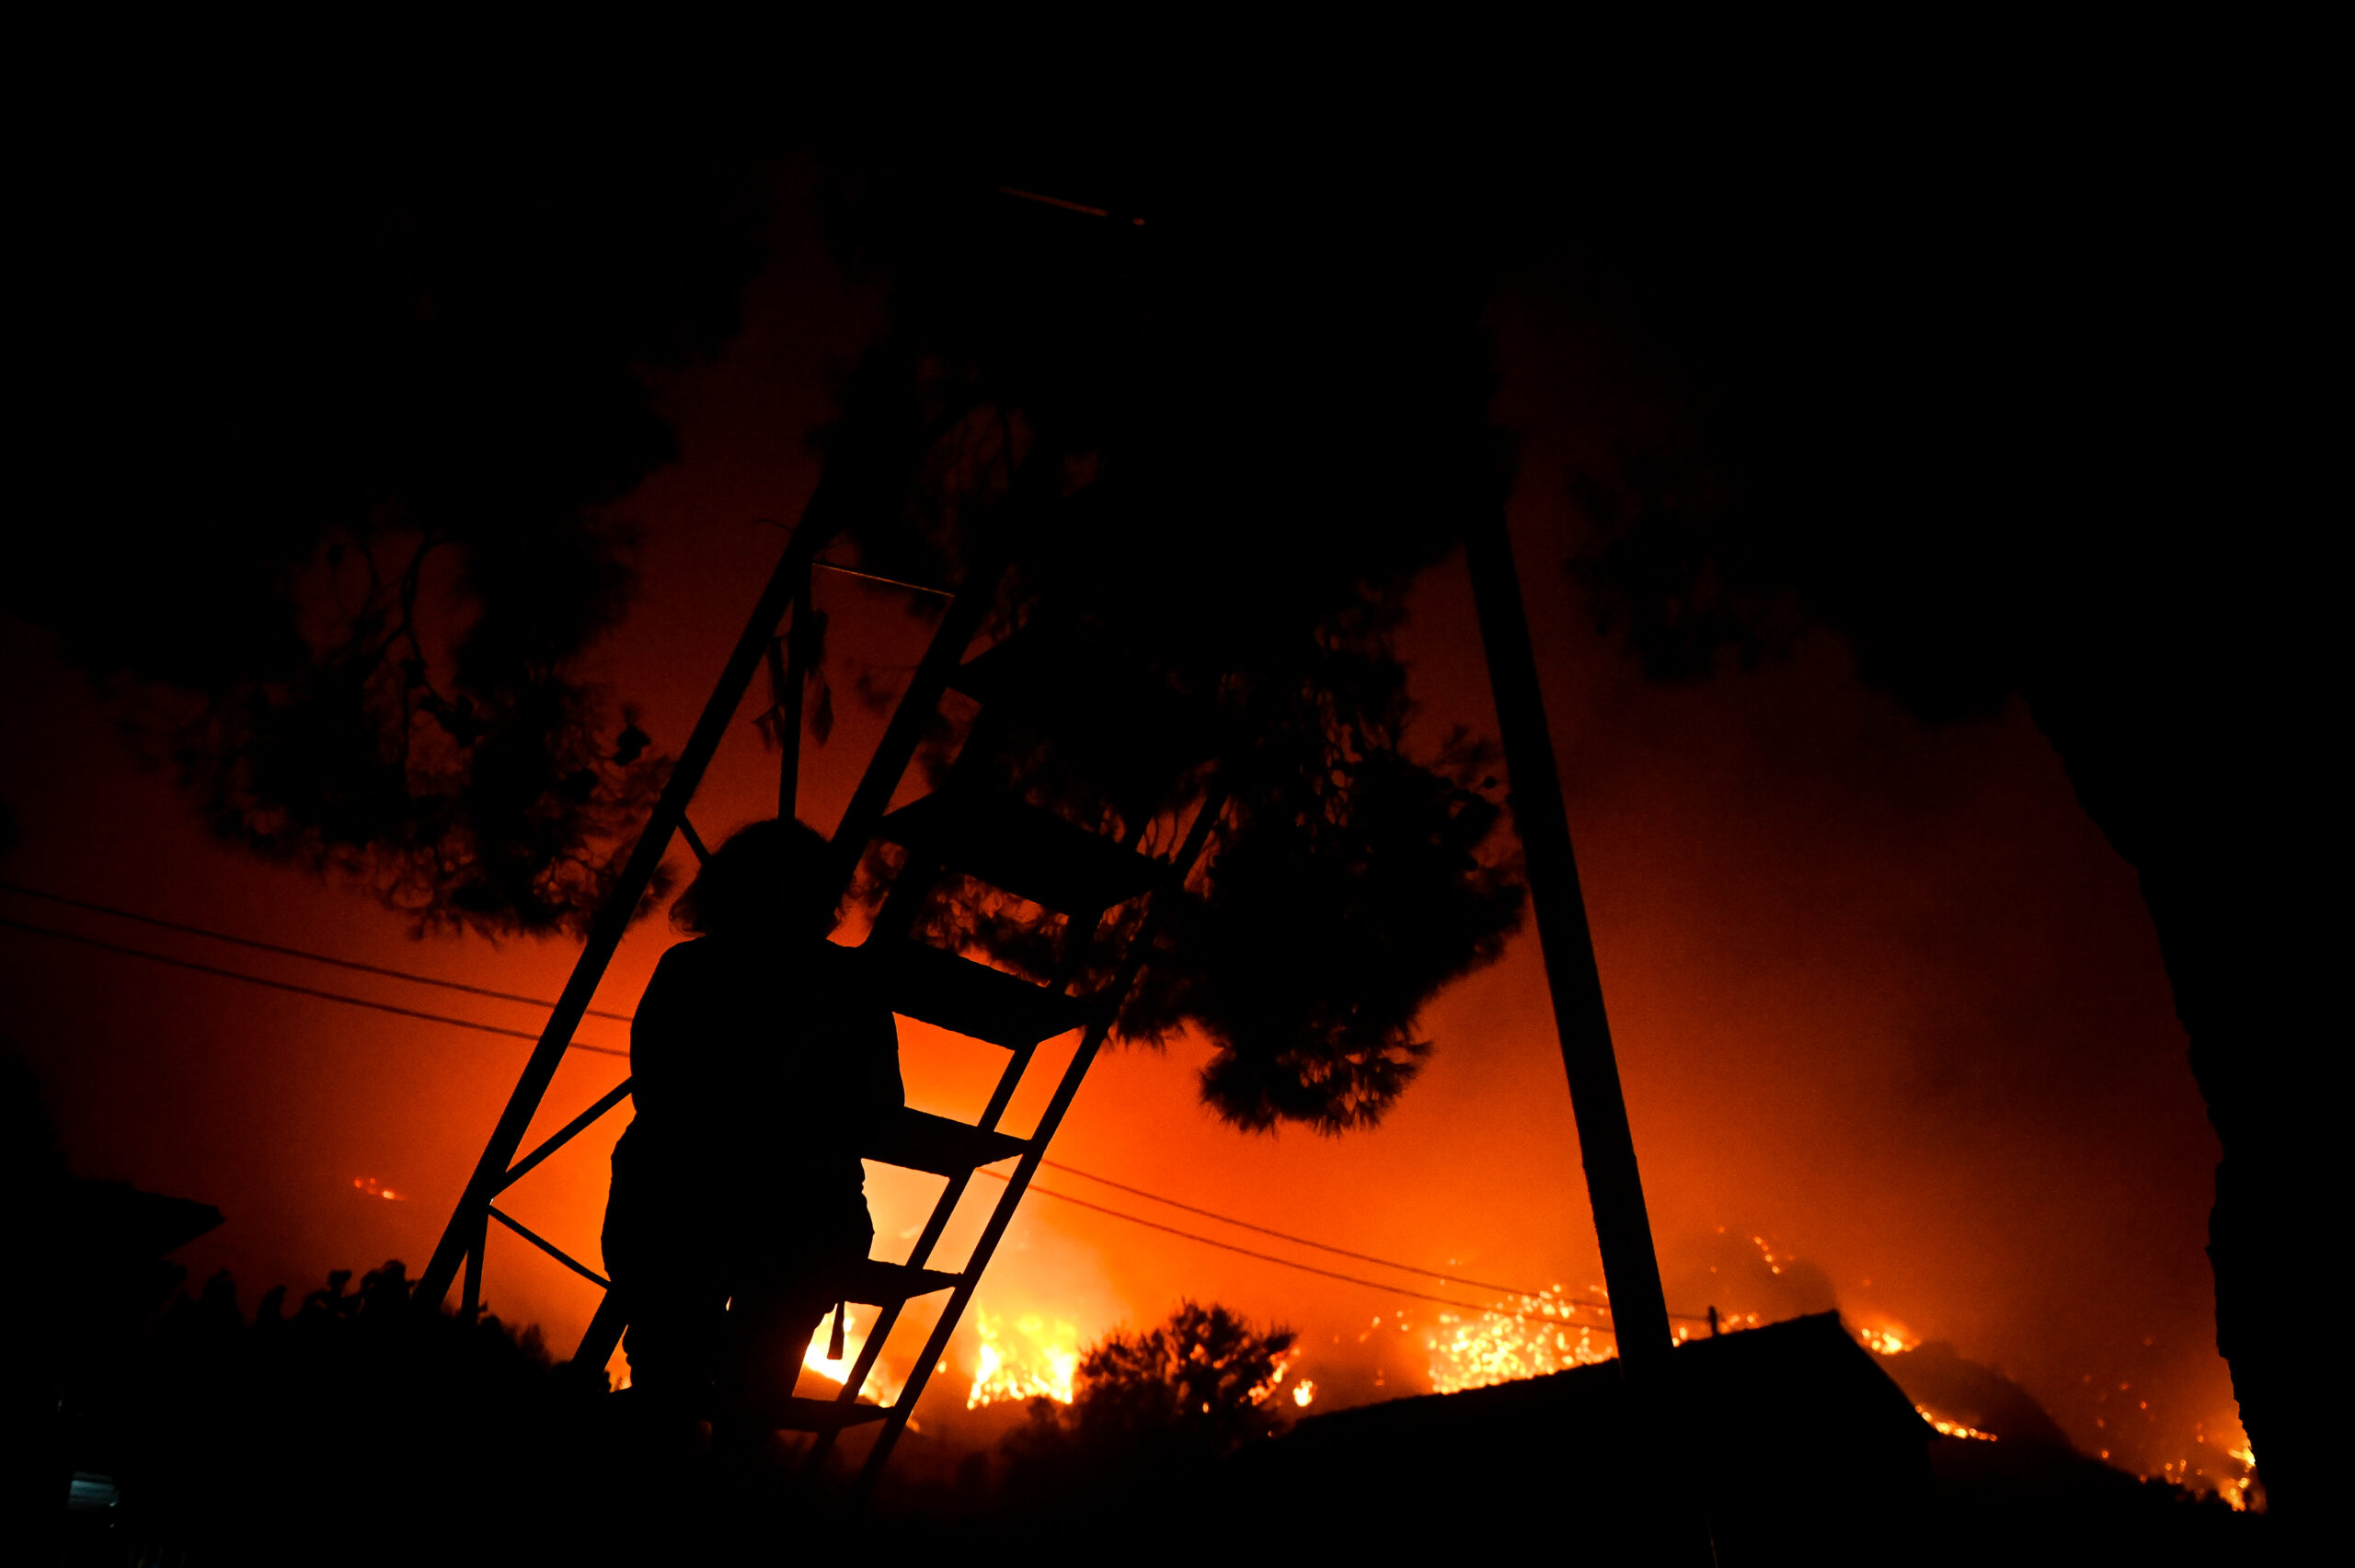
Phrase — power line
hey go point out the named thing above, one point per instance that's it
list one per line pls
(623, 1017)
(1303, 1267)
(295, 952)
(1298, 1240)
(290, 986)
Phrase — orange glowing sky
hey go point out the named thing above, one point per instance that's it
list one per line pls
(1883, 995)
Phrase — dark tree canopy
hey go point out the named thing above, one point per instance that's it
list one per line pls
(1233, 433)
(2024, 413)
(357, 425)
(330, 418)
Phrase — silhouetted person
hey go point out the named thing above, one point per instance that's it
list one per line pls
(762, 1058)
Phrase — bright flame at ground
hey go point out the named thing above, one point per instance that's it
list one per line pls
(879, 1387)
(1500, 1346)
(1953, 1428)
(1303, 1392)
(1261, 1393)
(1890, 1339)
(369, 1185)
(1036, 1359)
(2235, 1489)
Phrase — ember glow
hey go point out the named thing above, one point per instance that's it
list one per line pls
(1952, 1428)
(1507, 1342)
(1887, 1339)
(1031, 1358)
(2234, 1489)
(2230, 1477)
(1261, 1393)
(369, 1185)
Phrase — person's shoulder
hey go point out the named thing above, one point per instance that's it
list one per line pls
(687, 957)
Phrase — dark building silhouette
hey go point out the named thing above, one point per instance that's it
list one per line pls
(1801, 1446)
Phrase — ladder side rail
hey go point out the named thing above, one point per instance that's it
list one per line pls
(969, 1277)
(793, 682)
(478, 1254)
(1035, 487)
(966, 610)
(612, 920)
(900, 907)
(603, 1336)
(935, 1225)
(944, 1207)
(792, 582)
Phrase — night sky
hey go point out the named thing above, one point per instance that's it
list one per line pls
(1888, 1007)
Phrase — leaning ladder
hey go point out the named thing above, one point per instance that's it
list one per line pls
(962, 828)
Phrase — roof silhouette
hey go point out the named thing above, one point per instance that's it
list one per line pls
(1799, 1442)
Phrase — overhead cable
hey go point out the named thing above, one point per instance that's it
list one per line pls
(284, 952)
(290, 986)
(1298, 1240)
(623, 1017)
(1303, 1267)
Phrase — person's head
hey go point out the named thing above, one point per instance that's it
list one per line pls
(770, 877)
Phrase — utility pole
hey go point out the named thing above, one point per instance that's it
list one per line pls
(1606, 1148)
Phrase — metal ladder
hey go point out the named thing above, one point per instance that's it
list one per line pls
(964, 827)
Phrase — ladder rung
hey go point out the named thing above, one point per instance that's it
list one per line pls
(871, 1282)
(944, 1148)
(823, 1415)
(925, 982)
(1014, 845)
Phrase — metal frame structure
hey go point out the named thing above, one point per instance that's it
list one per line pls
(1630, 1265)
(958, 829)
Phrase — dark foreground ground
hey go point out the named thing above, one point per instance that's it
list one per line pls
(346, 1429)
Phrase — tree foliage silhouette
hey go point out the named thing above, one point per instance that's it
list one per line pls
(1152, 1412)
(2010, 437)
(335, 420)
(1222, 444)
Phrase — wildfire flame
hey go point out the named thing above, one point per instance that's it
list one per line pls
(1952, 1428)
(1499, 1346)
(879, 1386)
(1038, 1360)
(1261, 1393)
(1303, 1392)
(369, 1185)
(2234, 1489)
(1890, 1339)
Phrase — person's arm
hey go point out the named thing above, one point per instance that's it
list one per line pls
(658, 1056)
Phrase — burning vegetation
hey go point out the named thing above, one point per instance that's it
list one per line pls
(1027, 1357)
(1538, 1336)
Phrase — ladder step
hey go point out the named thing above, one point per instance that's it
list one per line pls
(944, 1148)
(924, 982)
(798, 1414)
(871, 1282)
(1014, 845)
